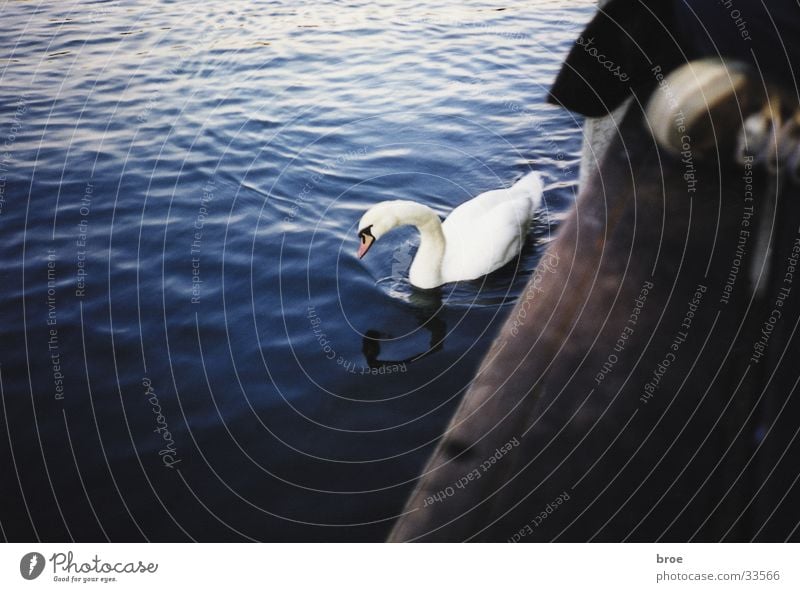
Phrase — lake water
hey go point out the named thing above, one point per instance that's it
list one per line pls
(191, 349)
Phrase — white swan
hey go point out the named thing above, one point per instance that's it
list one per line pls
(479, 236)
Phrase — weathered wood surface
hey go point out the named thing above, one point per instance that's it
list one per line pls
(710, 453)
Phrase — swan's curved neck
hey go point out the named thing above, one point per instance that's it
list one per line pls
(426, 269)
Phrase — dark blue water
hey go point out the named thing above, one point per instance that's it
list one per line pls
(191, 349)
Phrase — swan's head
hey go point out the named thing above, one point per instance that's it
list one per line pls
(377, 221)
(382, 217)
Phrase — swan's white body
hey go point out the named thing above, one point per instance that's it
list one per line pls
(478, 237)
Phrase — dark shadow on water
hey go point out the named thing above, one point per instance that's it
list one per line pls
(428, 310)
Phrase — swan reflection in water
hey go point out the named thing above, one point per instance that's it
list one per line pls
(428, 307)
(428, 311)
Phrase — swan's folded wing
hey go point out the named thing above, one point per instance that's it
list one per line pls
(483, 239)
(477, 207)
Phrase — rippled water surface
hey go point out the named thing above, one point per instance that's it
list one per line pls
(191, 349)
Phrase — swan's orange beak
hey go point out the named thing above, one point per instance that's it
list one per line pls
(366, 242)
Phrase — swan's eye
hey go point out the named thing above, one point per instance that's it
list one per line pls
(364, 233)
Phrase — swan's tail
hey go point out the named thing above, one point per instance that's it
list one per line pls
(531, 186)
